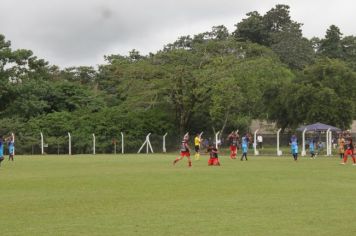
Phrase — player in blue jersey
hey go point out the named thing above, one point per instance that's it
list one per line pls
(312, 148)
(294, 146)
(11, 147)
(1, 150)
(244, 146)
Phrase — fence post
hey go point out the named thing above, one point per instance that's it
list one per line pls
(279, 152)
(122, 143)
(69, 144)
(164, 143)
(217, 140)
(13, 140)
(328, 142)
(42, 149)
(147, 143)
(255, 143)
(93, 144)
(303, 142)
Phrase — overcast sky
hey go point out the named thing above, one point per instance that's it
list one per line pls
(81, 32)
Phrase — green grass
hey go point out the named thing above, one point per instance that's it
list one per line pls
(146, 195)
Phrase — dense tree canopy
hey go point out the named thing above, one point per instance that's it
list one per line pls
(212, 81)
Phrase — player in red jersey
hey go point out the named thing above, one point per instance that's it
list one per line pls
(214, 158)
(184, 151)
(349, 151)
(233, 140)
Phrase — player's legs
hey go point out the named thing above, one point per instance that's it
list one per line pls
(347, 153)
(197, 154)
(233, 152)
(178, 158)
(1, 159)
(189, 160)
(244, 153)
(345, 158)
(293, 153)
(216, 162)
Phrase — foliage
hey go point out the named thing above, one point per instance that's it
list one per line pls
(277, 30)
(322, 93)
(212, 81)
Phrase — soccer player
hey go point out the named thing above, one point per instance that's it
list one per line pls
(197, 141)
(233, 139)
(1, 150)
(349, 151)
(341, 144)
(312, 148)
(184, 151)
(11, 147)
(294, 147)
(214, 158)
(244, 146)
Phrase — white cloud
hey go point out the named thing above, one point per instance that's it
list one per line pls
(81, 32)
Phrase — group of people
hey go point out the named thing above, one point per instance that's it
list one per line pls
(234, 141)
(345, 147)
(10, 146)
(344, 144)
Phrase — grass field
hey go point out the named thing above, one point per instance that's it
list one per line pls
(146, 195)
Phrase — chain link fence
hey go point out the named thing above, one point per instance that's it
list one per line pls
(113, 144)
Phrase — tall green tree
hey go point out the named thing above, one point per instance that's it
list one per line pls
(331, 46)
(278, 31)
(349, 51)
(251, 28)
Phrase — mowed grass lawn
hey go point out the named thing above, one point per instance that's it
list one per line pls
(147, 195)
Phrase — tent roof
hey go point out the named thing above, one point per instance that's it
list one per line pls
(318, 127)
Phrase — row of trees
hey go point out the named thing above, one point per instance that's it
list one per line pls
(212, 81)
